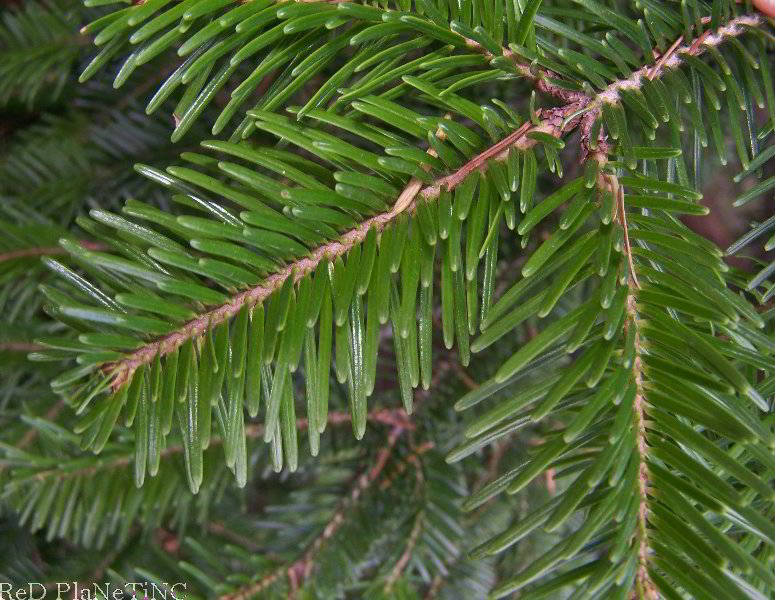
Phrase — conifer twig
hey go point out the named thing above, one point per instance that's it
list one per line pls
(32, 432)
(644, 585)
(46, 251)
(554, 121)
(391, 417)
(623, 221)
(122, 370)
(540, 77)
(732, 28)
(301, 568)
(20, 347)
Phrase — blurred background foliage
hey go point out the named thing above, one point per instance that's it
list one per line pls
(380, 518)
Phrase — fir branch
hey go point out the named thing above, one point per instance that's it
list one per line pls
(673, 56)
(644, 346)
(19, 347)
(31, 252)
(417, 525)
(38, 48)
(406, 555)
(46, 251)
(539, 77)
(551, 123)
(395, 418)
(580, 101)
(644, 585)
(33, 432)
(618, 190)
(302, 567)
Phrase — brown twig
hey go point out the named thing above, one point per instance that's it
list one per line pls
(623, 223)
(415, 184)
(672, 59)
(412, 459)
(20, 347)
(414, 535)
(46, 251)
(551, 123)
(499, 450)
(643, 583)
(30, 435)
(393, 418)
(464, 377)
(434, 588)
(31, 252)
(670, 52)
(664, 58)
(218, 528)
(301, 568)
(406, 555)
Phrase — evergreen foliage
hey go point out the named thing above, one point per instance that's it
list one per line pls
(456, 229)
